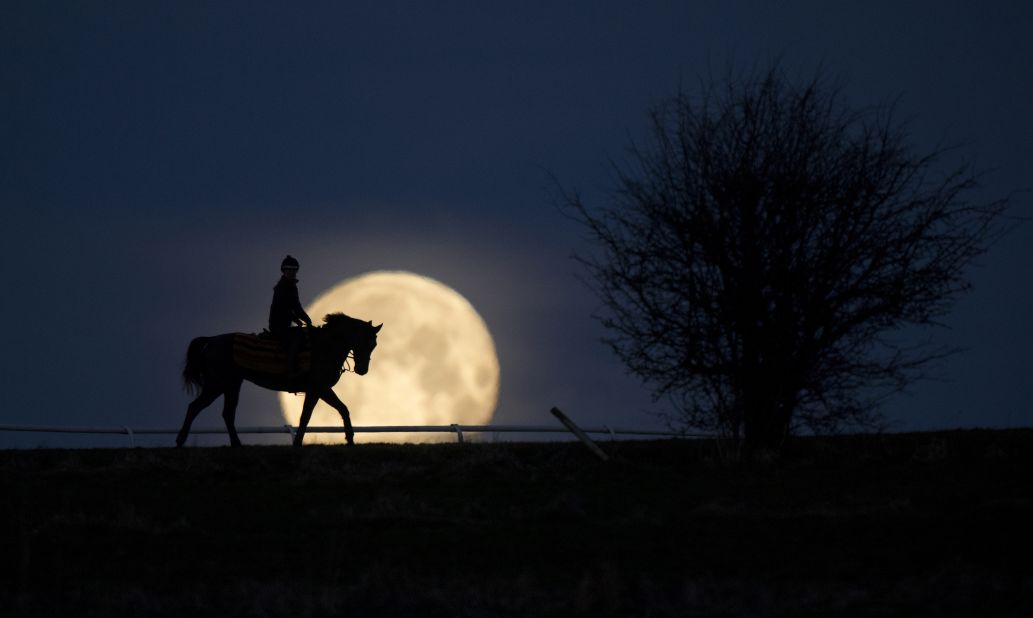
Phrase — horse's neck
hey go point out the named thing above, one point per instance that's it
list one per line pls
(339, 344)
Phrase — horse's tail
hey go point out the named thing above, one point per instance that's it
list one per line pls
(193, 376)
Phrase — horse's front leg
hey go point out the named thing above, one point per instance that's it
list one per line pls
(331, 398)
(306, 415)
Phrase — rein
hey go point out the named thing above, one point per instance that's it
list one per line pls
(345, 365)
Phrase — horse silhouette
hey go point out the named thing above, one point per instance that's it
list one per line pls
(212, 370)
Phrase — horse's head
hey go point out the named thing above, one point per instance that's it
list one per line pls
(355, 335)
(363, 344)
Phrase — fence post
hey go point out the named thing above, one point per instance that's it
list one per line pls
(580, 434)
(459, 432)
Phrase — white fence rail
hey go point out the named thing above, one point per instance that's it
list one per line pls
(458, 430)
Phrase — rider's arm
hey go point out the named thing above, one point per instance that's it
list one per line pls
(299, 312)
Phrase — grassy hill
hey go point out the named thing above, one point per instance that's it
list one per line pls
(930, 524)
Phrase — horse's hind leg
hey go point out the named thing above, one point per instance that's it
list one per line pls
(229, 412)
(331, 398)
(202, 401)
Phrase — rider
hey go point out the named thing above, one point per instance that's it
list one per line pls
(286, 308)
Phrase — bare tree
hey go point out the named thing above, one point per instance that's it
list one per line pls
(762, 253)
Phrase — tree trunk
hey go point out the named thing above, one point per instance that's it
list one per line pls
(765, 427)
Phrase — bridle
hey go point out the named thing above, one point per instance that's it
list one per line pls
(345, 365)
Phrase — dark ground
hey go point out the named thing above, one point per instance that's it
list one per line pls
(911, 524)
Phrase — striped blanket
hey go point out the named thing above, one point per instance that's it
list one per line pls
(264, 354)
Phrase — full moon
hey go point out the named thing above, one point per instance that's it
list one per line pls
(434, 363)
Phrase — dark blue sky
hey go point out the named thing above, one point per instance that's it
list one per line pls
(157, 163)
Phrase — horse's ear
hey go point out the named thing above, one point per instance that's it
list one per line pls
(376, 329)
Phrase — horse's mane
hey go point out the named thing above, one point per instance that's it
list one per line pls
(339, 320)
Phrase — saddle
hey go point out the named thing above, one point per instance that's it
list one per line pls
(264, 354)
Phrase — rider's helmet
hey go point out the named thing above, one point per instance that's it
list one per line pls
(289, 262)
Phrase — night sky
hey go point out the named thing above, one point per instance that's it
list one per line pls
(156, 163)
